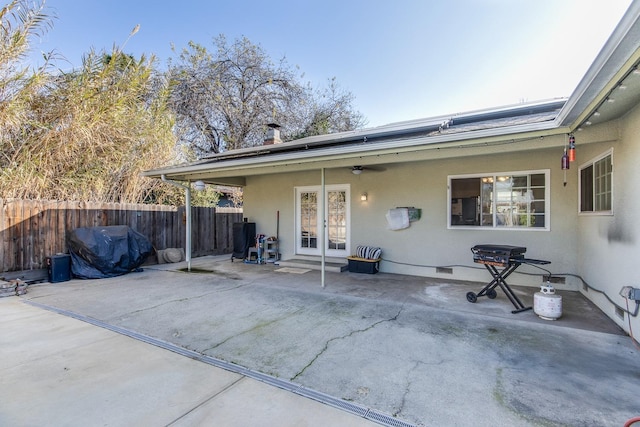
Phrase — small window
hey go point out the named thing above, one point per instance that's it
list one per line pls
(596, 182)
(512, 200)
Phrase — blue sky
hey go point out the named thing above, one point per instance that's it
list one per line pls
(402, 59)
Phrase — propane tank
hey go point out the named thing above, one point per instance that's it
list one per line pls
(546, 304)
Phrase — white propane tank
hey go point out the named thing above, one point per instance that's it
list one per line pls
(546, 304)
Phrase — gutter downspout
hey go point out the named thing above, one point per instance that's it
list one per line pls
(187, 191)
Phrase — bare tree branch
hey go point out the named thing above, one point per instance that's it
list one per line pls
(224, 100)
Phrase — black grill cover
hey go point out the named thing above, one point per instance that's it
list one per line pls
(100, 252)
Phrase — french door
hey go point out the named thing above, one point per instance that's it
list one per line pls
(309, 220)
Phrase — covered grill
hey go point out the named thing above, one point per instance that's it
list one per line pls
(507, 257)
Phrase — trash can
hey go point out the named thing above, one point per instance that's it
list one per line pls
(59, 268)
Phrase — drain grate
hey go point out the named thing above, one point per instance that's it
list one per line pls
(386, 420)
(333, 401)
(353, 408)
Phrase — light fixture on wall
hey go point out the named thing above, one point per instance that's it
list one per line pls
(364, 197)
(356, 170)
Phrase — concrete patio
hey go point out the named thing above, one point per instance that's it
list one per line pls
(402, 349)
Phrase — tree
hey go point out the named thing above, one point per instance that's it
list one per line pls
(330, 110)
(224, 100)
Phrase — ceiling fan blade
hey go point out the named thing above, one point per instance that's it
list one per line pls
(357, 170)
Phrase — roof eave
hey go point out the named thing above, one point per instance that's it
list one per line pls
(363, 149)
(615, 56)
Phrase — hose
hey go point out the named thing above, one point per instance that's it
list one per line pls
(632, 421)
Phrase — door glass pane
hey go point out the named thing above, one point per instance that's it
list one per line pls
(309, 219)
(336, 220)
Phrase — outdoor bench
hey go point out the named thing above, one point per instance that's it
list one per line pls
(366, 260)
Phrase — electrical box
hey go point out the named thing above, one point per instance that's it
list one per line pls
(630, 293)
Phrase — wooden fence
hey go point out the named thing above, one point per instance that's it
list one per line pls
(32, 230)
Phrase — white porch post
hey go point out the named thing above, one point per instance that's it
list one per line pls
(187, 190)
(324, 225)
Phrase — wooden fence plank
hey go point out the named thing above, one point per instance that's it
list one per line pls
(18, 233)
(61, 230)
(6, 236)
(32, 238)
(3, 231)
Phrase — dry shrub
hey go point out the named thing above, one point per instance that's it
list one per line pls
(91, 133)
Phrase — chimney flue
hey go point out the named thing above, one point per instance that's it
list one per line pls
(273, 134)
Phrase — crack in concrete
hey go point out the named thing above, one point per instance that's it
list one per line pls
(326, 345)
(409, 383)
(169, 302)
(406, 389)
(186, 299)
(262, 325)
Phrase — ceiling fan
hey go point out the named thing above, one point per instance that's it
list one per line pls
(357, 170)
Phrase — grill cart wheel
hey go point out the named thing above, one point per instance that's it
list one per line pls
(491, 293)
(471, 297)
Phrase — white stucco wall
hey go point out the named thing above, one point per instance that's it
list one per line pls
(609, 246)
(428, 243)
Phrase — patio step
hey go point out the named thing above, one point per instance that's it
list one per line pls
(335, 266)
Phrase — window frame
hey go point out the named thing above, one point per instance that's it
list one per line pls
(494, 225)
(591, 163)
(322, 212)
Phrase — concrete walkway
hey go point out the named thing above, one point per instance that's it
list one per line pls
(410, 350)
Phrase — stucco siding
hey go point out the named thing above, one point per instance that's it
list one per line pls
(428, 243)
(609, 246)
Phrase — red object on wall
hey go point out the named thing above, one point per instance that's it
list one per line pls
(572, 148)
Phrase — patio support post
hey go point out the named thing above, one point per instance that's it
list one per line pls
(324, 225)
(187, 243)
